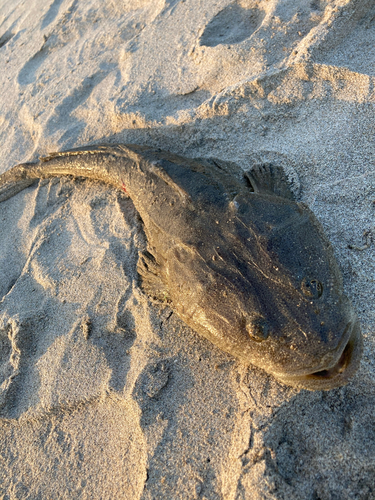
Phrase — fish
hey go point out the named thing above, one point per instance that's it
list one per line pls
(232, 252)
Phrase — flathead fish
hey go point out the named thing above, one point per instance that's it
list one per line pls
(238, 259)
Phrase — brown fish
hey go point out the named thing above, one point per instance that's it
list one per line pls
(239, 260)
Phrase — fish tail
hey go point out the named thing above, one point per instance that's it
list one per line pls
(15, 180)
(108, 164)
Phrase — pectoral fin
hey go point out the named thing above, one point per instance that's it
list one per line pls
(151, 281)
(271, 179)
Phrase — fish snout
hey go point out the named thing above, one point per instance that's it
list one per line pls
(336, 367)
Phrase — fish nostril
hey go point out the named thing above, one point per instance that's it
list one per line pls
(258, 330)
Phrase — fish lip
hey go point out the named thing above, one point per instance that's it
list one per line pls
(341, 370)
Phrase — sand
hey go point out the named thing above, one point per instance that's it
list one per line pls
(103, 393)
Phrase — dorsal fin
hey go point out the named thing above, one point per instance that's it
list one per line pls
(156, 167)
(271, 179)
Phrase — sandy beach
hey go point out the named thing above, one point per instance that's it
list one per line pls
(104, 393)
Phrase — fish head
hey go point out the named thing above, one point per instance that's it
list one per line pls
(267, 289)
(316, 322)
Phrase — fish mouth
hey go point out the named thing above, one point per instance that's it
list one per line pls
(336, 375)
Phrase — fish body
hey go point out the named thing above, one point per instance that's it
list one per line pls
(238, 259)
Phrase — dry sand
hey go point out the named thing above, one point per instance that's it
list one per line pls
(104, 394)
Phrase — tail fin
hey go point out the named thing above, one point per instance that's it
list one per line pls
(15, 180)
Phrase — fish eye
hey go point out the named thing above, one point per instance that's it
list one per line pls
(258, 330)
(312, 288)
